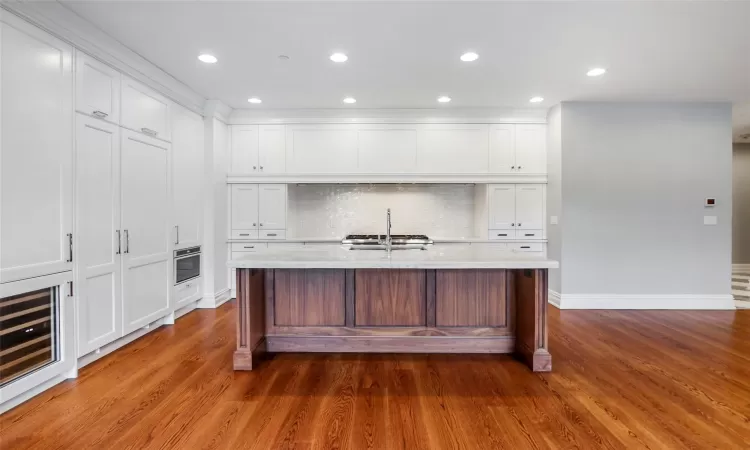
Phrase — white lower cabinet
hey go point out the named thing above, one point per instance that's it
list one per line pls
(146, 230)
(99, 283)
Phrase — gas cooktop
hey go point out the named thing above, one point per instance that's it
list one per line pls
(397, 239)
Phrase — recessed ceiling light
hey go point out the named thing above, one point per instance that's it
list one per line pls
(339, 57)
(255, 100)
(469, 57)
(208, 59)
(536, 99)
(597, 71)
(444, 99)
(350, 100)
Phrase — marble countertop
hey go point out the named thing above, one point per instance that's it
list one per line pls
(435, 257)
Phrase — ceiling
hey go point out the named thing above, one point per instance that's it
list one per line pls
(406, 54)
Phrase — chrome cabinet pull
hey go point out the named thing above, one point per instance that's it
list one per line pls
(119, 245)
(177, 234)
(261, 224)
(100, 114)
(519, 167)
(525, 246)
(245, 234)
(254, 167)
(261, 167)
(529, 234)
(248, 246)
(271, 234)
(127, 241)
(149, 131)
(503, 234)
(512, 167)
(513, 224)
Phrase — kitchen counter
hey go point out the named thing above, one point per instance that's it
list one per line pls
(455, 256)
(457, 298)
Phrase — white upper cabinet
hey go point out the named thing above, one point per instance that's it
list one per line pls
(271, 149)
(529, 206)
(321, 149)
(144, 110)
(502, 148)
(388, 149)
(531, 149)
(244, 149)
(146, 229)
(244, 209)
(36, 174)
(272, 206)
(450, 149)
(187, 176)
(97, 89)
(502, 207)
(99, 295)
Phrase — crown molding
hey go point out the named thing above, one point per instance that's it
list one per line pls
(338, 116)
(56, 19)
(217, 110)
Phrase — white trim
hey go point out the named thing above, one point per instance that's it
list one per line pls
(119, 343)
(390, 116)
(553, 297)
(211, 301)
(615, 301)
(31, 393)
(739, 267)
(479, 178)
(58, 20)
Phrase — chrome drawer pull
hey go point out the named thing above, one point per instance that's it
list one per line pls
(100, 114)
(149, 131)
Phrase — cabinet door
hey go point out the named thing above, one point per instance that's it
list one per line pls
(36, 173)
(244, 149)
(272, 206)
(453, 149)
(97, 89)
(530, 206)
(531, 148)
(244, 199)
(272, 149)
(502, 148)
(144, 110)
(146, 254)
(98, 222)
(321, 149)
(187, 177)
(502, 210)
(388, 149)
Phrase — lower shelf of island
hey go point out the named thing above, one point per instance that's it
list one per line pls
(392, 311)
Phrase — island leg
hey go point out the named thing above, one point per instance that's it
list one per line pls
(530, 287)
(251, 319)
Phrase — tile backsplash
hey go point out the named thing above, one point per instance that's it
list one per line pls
(335, 210)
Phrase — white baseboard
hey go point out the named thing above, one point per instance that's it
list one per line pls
(31, 393)
(211, 301)
(553, 298)
(613, 301)
(185, 309)
(740, 267)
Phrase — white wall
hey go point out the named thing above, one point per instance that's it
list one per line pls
(554, 192)
(634, 180)
(325, 210)
(741, 203)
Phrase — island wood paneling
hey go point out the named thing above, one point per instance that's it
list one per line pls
(471, 298)
(386, 297)
(309, 297)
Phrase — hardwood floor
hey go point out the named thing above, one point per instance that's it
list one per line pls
(621, 379)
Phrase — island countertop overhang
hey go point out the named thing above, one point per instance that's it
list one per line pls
(436, 257)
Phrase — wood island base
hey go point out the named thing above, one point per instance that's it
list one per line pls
(392, 311)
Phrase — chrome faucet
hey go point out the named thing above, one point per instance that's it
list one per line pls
(388, 240)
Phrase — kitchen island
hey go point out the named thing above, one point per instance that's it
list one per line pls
(445, 299)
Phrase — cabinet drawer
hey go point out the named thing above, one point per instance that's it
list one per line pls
(244, 234)
(248, 247)
(272, 234)
(528, 234)
(527, 247)
(189, 290)
(502, 234)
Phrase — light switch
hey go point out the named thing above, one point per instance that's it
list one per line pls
(710, 220)
(553, 220)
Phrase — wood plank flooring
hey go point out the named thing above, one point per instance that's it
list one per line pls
(621, 380)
